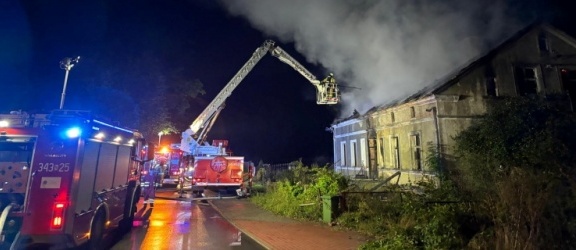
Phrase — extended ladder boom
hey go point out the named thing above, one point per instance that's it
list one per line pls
(326, 93)
(284, 57)
(211, 109)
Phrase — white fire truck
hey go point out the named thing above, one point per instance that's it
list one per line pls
(66, 179)
(210, 162)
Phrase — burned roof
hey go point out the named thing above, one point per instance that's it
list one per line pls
(355, 114)
(454, 76)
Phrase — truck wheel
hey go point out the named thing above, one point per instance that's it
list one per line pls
(130, 208)
(97, 232)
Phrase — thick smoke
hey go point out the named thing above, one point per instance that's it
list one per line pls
(389, 48)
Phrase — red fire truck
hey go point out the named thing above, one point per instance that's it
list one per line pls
(216, 169)
(66, 178)
(213, 165)
(173, 170)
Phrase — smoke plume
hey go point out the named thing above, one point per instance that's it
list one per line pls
(389, 49)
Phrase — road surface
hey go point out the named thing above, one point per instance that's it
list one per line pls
(178, 223)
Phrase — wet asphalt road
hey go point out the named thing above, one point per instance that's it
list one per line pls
(178, 223)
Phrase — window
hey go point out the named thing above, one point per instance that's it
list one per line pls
(396, 152)
(392, 117)
(412, 112)
(353, 153)
(569, 84)
(381, 150)
(526, 82)
(342, 153)
(490, 80)
(363, 152)
(543, 44)
(491, 86)
(416, 147)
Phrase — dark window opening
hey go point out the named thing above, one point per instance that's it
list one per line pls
(343, 154)
(412, 112)
(543, 45)
(491, 86)
(490, 78)
(353, 154)
(526, 82)
(392, 117)
(396, 149)
(416, 151)
(569, 84)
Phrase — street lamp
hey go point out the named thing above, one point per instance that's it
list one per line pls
(66, 64)
(160, 137)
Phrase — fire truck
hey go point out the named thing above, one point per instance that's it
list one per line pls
(212, 165)
(170, 158)
(66, 179)
(217, 169)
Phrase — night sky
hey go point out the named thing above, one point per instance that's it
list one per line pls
(272, 115)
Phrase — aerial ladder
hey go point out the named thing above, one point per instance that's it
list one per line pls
(192, 139)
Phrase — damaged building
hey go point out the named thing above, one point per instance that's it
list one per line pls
(394, 140)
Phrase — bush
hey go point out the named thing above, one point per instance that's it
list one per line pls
(514, 188)
(405, 219)
(522, 174)
(298, 194)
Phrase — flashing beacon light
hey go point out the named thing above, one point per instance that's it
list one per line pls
(4, 124)
(73, 132)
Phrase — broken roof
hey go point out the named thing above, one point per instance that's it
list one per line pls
(454, 76)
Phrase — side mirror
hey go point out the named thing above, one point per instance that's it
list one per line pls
(142, 152)
(137, 150)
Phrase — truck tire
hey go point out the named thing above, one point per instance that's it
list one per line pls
(97, 232)
(130, 208)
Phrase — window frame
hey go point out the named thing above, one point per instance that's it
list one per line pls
(416, 150)
(395, 151)
(520, 84)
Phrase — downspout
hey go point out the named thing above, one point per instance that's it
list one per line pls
(331, 130)
(434, 111)
(372, 155)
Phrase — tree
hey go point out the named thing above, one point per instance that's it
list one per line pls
(518, 165)
(142, 94)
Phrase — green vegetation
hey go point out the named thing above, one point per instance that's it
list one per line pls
(298, 192)
(511, 186)
(522, 174)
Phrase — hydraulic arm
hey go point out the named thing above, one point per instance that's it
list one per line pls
(326, 93)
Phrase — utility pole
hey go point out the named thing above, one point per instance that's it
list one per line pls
(66, 64)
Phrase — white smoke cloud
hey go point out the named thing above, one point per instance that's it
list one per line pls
(388, 48)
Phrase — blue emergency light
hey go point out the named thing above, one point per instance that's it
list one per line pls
(73, 132)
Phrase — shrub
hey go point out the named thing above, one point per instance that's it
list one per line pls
(522, 174)
(298, 194)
